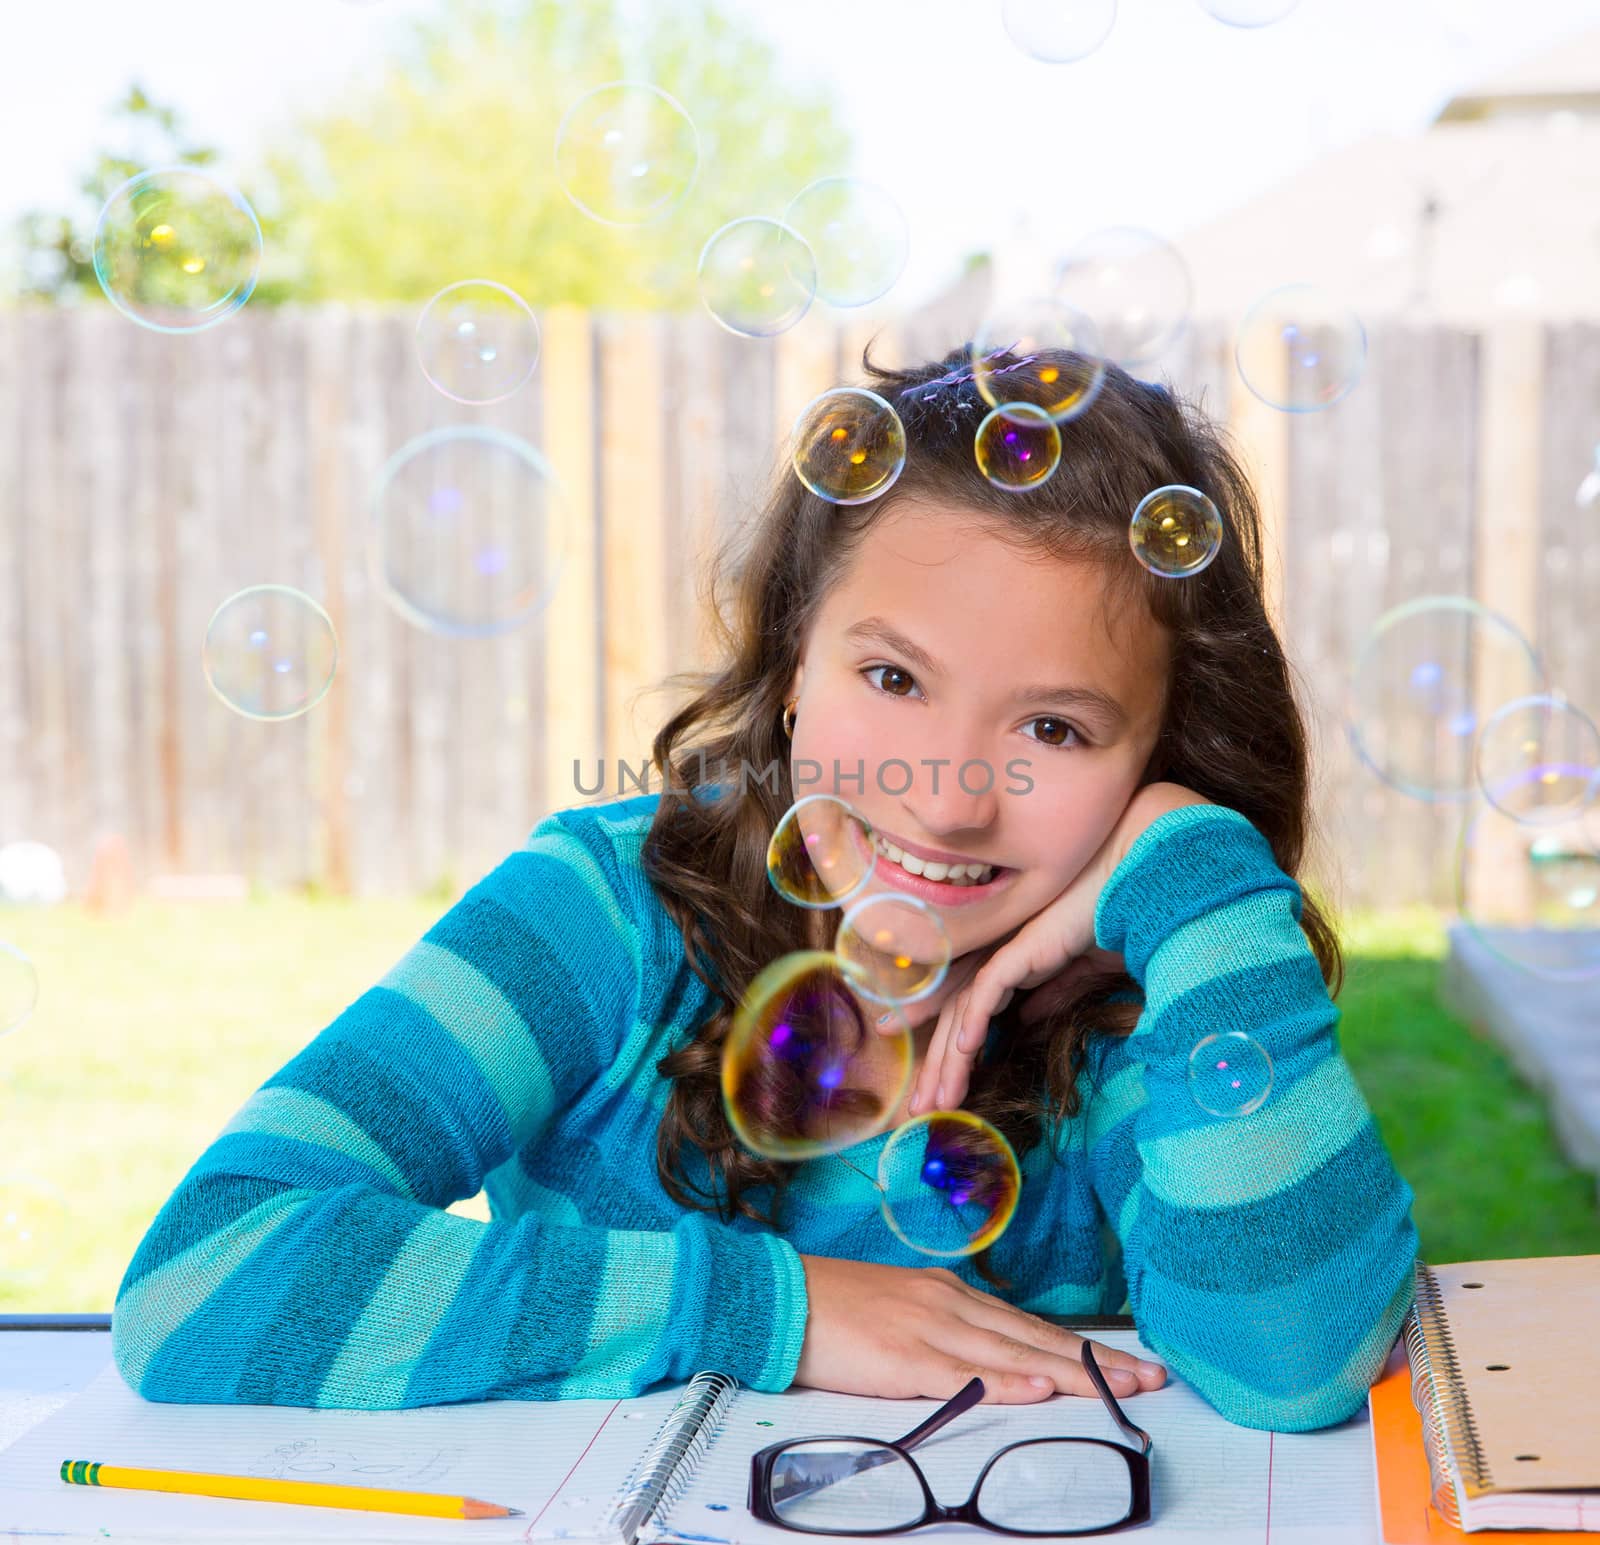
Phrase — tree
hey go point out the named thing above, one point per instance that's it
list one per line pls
(56, 247)
(443, 167)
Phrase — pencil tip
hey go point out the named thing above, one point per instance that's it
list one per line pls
(513, 1512)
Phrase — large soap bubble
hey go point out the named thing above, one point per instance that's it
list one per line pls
(949, 1183)
(857, 234)
(757, 276)
(626, 152)
(1134, 285)
(1414, 694)
(270, 652)
(1300, 349)
(806, 1069)
(468, 531)
(176, 249)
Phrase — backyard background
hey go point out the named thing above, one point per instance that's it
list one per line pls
(145, 477)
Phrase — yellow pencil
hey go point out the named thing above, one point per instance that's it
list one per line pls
(252, 1488)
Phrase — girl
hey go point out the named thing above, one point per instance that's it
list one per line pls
(556, 1038)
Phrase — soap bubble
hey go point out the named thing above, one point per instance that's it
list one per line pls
(1134, 286)
(1230, 1074)
(35, 1216)
(1058, 31)
(1039, 351)
(1538, 759)
(626, 152)
(1017, 447)
(1175, 531)
(1249, 13)
(821, 853)
(19, 988)
(1300, 350)
(1414, 709)
(757, 276)
(897, 946)
(468, 531)
(176, 250)
(1531, 894)
(805, 1069)
(849, 445)
(477, 341)
(949, 1182)
(857, 234)
(270, 652)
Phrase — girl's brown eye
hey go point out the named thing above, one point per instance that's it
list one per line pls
(1069, 734)
(888, 671)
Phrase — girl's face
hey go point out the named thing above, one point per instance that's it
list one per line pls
(946, 652)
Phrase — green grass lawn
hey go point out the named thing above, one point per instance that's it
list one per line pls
(153, 1029)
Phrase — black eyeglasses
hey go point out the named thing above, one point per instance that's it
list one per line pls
(855, 1485)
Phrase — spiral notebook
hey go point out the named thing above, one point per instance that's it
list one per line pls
(1505, 1373)
(670, 1465)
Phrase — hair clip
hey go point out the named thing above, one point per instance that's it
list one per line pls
(930, 389)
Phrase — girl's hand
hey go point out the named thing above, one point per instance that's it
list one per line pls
(1052, 951)
(907, 1331)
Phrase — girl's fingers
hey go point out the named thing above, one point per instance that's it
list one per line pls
(925, 1091)
(1063, 1370)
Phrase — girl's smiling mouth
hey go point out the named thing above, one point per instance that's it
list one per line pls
(947, 882)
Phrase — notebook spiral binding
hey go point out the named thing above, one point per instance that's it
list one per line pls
(1439, 1395)
(666, 1467)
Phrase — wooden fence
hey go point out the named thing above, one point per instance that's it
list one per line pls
(145, 477)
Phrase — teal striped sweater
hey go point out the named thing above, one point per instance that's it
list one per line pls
(307, 1258)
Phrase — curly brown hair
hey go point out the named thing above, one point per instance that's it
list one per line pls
(1232, 731)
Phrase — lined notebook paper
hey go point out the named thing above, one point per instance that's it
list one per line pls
(1505, 1371)
(578, 1467)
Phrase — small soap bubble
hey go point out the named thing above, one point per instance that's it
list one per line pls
(477, 341)
(1413, 706)
(1039, 351)
(1531, 894)
(1538, 759)
(1058, 31)
(1229, 1074)
(1175, 531)
(626, 152)
(857, 234)
(176, 250)
(849, 445)
(35, 1217)
(1249, 13)
(19, 989)
(270, 652)
(1135, 288)
(1300, 350)
(468, 531)
(804, 1070)
(1017, 447)
(757, 276)
(949, 1182)
(821, 853)
(898, 946)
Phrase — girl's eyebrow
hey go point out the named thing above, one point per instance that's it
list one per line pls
(876, 629)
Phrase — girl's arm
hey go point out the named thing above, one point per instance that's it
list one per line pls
(305, 1259)
(1269, 1256)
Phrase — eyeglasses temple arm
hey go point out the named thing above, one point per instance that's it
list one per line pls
(964, 1398)
(1100, 1384)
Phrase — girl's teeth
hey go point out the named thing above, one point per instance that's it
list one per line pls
(949, 874)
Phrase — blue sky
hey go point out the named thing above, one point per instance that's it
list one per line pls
(1174, 120)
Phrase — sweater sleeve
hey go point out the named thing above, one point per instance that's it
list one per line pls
(307, 1259)
(1269, 1256)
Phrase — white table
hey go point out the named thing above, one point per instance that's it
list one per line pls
(43, 1366)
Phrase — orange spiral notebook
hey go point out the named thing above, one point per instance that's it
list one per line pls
(1498, 1358)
